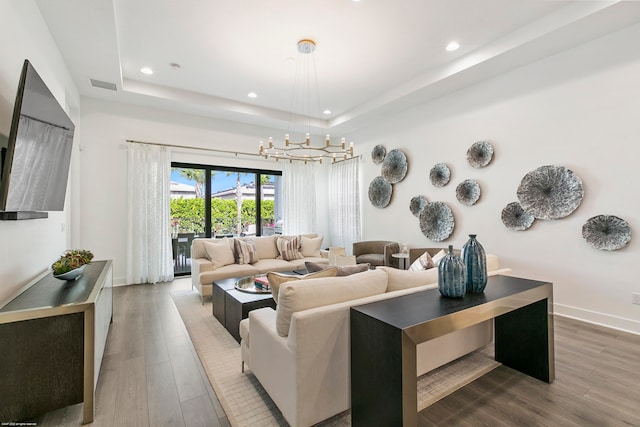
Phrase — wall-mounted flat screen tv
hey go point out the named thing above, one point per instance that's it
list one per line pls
(35, 163)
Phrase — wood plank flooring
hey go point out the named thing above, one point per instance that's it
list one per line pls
(597, 384)
(151, 376)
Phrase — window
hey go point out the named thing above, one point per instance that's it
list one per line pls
(211, 201)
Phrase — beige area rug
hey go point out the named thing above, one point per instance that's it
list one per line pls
(244, 400)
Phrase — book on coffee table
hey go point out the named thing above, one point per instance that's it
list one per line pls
(261, 282)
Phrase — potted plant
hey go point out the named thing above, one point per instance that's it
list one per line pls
(71, 264)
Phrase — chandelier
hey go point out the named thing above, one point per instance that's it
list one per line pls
(302, 150)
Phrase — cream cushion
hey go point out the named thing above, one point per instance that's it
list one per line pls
(437, 257)
(404, 279)
(277, 279)
(305, 294)
(219, 252)
(424, 262)
(266, 247)
(310, 247)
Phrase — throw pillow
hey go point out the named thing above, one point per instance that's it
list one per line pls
(276, 279)
(424, 262)
(246, 252)
(437, 257)
(266, 247)
(311, 247)
(405, 279)
(219, 252)
(289, 249)
(343, 270)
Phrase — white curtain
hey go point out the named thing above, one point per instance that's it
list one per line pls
(299, 198)
(344, 203)
(149, 254)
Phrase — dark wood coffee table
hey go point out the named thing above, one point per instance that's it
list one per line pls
(230, 305)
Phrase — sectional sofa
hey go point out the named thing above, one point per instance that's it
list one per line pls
(300, 351)
(217, 259)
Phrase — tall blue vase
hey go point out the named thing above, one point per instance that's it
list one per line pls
(475, 261)
(451, 275)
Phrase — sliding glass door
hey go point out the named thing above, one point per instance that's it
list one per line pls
(210, 201)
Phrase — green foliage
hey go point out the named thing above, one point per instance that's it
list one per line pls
(71, 260)
(187, 215)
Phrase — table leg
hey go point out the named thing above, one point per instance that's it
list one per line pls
(524, 340)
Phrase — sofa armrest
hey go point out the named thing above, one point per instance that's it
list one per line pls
(199, 265)
(272, 361)
(389, 249)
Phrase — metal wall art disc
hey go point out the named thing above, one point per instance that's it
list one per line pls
(417, 204)
(468, 192)
(378, 153)
(440, 175)
(550, 192)
(606, 232)
(516, 218)
(394, 166)
(380, 192)
(436, 221)
(480, 154)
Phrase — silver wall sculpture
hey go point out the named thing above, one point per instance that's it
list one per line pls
(468, 192)
(394, 166)
(550, 192)
(516, 218)
(480, 154)
(606, 232)
(440, 175)
(436, 221)
(417, 204)
(378, 153)
(380, 192)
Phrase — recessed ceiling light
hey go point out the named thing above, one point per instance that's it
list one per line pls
(146, 70)
(252, 95)
(453, 46)
(327, 111)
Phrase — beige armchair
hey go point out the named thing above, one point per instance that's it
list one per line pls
(376, 252)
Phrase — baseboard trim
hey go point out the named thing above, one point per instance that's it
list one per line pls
(596, 318)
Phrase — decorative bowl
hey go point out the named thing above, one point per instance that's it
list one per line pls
(74, 274)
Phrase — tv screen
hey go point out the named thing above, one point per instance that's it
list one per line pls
(36, 160)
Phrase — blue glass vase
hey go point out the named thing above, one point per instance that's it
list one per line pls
(451, 275)
(475, 262)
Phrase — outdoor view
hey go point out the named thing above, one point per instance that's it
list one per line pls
(232, 200)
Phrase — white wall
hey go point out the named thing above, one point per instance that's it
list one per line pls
(106, 128)
(578, 109)
(29, 247)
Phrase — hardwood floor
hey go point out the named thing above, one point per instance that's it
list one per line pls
(597, 384)
(151, 376)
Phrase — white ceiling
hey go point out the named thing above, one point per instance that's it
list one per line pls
(373, 56)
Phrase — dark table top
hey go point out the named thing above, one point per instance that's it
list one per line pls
(52, 292)
(414, 309)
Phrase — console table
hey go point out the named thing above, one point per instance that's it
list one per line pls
(52, 335)
(384, 336)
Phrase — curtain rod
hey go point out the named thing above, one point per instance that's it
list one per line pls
(236, 153)
(215, 150)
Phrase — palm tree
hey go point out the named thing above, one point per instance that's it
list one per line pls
(196, 175)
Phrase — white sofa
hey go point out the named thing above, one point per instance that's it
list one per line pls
(304, 365)
(208, 266)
